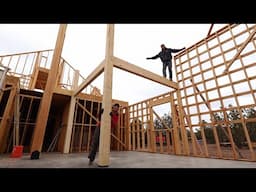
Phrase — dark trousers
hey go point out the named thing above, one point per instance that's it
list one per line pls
(95, 144)
(169, 65)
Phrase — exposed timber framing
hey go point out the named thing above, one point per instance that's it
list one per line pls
(94, 74)
(43, 112)
(202, 93)
(104, 146)
(126, 66)
(67, 140)
(5, 123)
(240, 50)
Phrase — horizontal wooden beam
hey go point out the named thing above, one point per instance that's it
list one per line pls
(124, 65)
(160, 101)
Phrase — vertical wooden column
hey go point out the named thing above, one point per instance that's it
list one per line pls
(72, 105)
(184, 136)
(7, 118)
(2, 77)
(126, 129)
(32, 82)
(42, 116)
(67, 141)
(61, 140)
(175, 132)
(104, 147)
(152, 132)
(75, 80)
(16, 116)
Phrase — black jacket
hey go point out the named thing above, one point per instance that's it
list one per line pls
(166, 54)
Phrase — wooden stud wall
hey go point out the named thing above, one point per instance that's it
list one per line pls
(85, 121)
(217, 76)
(142, 134)
(214, 76)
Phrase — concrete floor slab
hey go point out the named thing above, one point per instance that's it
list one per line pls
(127, 159)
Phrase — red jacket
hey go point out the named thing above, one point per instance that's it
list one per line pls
(114, 120)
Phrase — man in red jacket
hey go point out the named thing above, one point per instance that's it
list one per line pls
(96, 136)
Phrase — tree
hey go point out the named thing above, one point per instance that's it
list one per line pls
(167, 119)
(208, 131)
(236, 128)
(218, 117)
(251, 126)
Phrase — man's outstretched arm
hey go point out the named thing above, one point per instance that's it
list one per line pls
(155, 57)
(176, 50)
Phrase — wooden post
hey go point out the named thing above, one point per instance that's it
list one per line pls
(104, 147)
(184, 136)
(68, 132)
(175, 133)
(61, 140)
(127, 129)
(42, 116)
(75, 80)
(32, 82)
(3, 73)
(152, 131)
(69, 125)
(16, 116)
(7, 117)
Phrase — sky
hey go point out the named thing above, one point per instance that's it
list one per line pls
(84, 49)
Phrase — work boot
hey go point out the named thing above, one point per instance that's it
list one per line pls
(90, 162)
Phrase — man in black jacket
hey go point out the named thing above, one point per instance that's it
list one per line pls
(166, 57)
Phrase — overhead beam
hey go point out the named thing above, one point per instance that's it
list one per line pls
(126, 66)
(94, 74)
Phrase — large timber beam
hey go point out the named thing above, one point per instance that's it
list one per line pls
(104, 146)
(42, 116)
(126, 66)
(94, 74)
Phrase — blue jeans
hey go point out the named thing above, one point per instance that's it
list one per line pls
(169, 65)
(95, 144)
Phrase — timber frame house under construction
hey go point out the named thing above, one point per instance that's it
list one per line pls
(46, 105)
